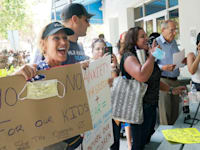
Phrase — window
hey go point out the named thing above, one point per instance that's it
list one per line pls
(173, 15)
(159, 21)
(139, 24)
(154, 13)
(173, 3)
(149, 27)
(155, 6)
(138, 12)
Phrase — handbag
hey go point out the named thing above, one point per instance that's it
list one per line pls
(127, 100)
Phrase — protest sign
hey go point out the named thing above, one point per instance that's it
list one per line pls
(182, 135)
(32, 124)
(98, 92)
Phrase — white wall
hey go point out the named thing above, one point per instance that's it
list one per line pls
(189, 22)
(115, 10)
(189, 26)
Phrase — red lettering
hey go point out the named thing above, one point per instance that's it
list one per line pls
(99, 71)
(95, 142)
(106, 128)
(97, 88)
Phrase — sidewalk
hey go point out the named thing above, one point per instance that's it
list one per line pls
(155, 141)
(151, 146)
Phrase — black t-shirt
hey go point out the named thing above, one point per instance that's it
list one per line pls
(152, 94)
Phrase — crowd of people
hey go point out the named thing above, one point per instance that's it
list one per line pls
(10, 58)
(58, 46)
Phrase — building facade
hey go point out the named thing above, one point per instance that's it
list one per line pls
(117, 16)
(120, 15)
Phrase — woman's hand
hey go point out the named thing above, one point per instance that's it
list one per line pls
(114, 60)
(153, 47)
(106, 54)
(178, 90)
(169, 67)
(28, 71)
(110, 81)
(85, 64)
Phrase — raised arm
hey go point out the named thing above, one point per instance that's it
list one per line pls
(140, 72)
(193, 62)
(28, 71)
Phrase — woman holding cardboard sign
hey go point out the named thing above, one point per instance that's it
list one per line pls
(98, 51)
(54, 45)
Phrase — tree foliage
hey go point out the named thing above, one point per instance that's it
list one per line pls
(12, 16)
(26, 16)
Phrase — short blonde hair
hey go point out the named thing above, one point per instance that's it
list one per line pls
(41, 40)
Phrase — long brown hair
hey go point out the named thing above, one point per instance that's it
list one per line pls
(131, 39)
(120, 44)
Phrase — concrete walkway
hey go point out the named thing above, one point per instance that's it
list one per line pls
(150, 146)
(156, 139)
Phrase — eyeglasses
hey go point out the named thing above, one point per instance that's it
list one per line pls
(87, 20)
(173, 30)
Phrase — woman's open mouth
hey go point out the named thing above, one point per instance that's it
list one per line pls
(62, 50)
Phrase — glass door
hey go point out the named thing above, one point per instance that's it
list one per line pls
(149, 27)
(153, 22)
(159, 21)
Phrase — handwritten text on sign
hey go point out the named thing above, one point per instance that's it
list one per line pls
(32, 124)
(98, 92)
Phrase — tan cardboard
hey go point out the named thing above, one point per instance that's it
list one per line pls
(32, 124)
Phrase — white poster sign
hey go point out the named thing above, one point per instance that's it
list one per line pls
(99, 98)
(178, 58)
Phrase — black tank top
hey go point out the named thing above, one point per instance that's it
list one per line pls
(152, 94)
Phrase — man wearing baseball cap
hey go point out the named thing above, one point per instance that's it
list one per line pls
(74, 9)
(76, 17)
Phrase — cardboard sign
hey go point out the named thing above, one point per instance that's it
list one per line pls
(98, 92)
(32, 124)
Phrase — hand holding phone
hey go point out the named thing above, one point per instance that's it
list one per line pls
(109, 50)
(114, 59)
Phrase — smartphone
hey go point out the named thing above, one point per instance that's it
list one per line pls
(109, 50)
(150, 41)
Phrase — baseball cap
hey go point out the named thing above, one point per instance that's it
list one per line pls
(74, 9)
(54, 27)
